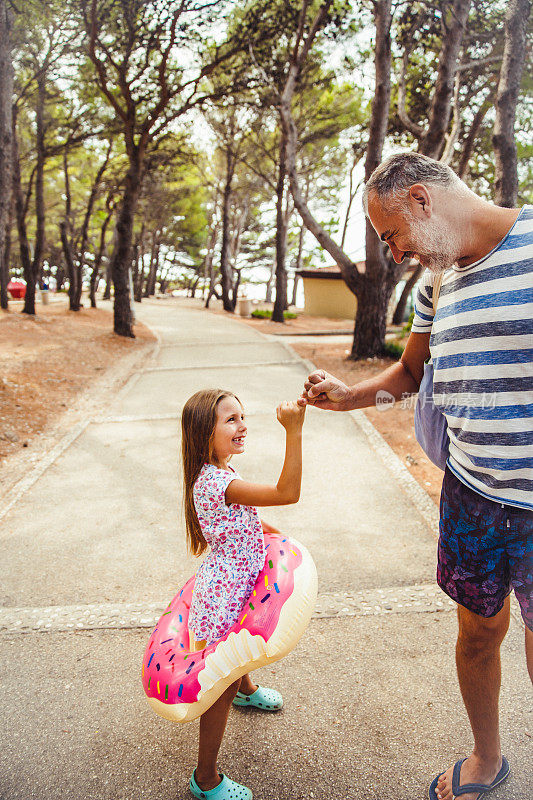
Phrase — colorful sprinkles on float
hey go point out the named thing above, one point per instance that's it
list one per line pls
(181, 685)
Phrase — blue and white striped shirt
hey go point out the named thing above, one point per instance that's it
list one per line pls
(482, 350)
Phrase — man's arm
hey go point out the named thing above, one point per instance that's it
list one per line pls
(325, 391)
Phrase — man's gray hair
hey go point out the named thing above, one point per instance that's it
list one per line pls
(394, 176)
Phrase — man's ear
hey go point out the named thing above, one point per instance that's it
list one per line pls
(420, 200)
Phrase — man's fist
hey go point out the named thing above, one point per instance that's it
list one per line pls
(324, 391)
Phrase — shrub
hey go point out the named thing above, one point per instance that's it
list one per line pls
(266, 313)
(393, 350)
(408, 325)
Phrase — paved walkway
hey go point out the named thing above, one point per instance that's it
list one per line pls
(94, 549)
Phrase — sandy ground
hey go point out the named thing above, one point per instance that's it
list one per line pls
(54, 367)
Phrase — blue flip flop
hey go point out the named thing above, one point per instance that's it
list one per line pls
(482, 788)
(226, 790)
(265, 699)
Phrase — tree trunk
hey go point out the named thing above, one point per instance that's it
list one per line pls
(135, 269)
(93, 285)
(432, 138)
(210, 266)
(372, 302)
(298, 264)
(138, 281)
(208, 263)
(235, 287)
(60, 275)
(108, 281)
(268, 291)
(154, 267)
(371, 318)
(351, 196)
(503, 138)
(146, 289)
(25, 258)
(225, 268)
(78, 269)
(73, 273)
(71, 266)
(121, 258)
(281, 237)
(399, 311)
(6, 146)
(212, 290)
(149, 288)
(29, 300)
(98, 260)
(193, 287)
(468, 144)
(85, 230)
(439, 113)
(9, 234)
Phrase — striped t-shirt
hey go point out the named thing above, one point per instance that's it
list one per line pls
(482, 351)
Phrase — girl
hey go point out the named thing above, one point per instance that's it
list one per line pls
(220, 512)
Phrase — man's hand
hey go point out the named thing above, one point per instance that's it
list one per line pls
(324, 391)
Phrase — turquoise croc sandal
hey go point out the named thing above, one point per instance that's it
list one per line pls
(226, 790)
(265, 699)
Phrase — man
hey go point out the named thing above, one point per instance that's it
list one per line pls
(482, 351)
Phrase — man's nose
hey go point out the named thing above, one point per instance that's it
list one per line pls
(397, 254)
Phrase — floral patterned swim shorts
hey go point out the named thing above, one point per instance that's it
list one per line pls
(485, 551)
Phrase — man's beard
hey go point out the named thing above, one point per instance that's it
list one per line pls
(438, 246)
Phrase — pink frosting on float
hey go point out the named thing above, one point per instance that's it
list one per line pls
(170, 671)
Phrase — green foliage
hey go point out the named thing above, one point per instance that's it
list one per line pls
(409, 324)
(228, 67)
(393, 350)
(266, 313)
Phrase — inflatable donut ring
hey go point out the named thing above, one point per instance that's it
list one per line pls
(181, 685)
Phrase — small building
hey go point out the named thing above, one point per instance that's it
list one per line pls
(326, 294)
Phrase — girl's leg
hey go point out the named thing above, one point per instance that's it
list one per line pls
(212, 727)
(247, 685)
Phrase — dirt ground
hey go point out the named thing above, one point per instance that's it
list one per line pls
(48, 364)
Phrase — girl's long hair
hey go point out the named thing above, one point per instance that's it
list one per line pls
(198, 420)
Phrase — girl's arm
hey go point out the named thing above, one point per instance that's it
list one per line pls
(287, 489)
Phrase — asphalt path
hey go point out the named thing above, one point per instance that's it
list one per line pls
(94, 549)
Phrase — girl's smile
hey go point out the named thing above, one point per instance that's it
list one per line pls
(230, 430)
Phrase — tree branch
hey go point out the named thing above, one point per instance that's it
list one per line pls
(417, 130)
(100, 68)
(451, 138)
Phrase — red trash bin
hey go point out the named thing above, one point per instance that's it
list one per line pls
(17, 289)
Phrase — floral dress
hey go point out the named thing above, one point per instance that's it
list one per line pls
(228, 574)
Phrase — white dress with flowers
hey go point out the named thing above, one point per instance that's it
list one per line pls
(226, 578)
